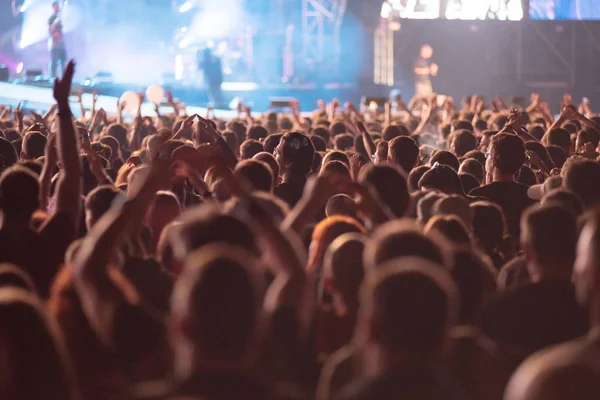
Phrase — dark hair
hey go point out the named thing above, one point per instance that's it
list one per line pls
(337, 128)
(100, 200)
(481, 125)
(270, 160)
(489, 224)
(582, 177)
(588, 136)
(550, 232)
(257, 132)
(323, 132)
(8, 153)
(250, 148)
(469, 182)
(343, 142)
(238, 128)
(336, 155)
(34, 145)
(526, 176)
(442, 178)
(462, 124)
(557, 155)
(566, 199)
(119, 132)
(541, 151)
(463, 141)
(113, 144)
(403, 150)
(414, 177)
(258, 173)
(336, 167)
(33, 165)
(393, 131)
(299, 151)
(473, 167)
(452, 227)
(537, 131)
(560, 137)
(476, 155)
(19, 192)
(318, 142)
(231, 140)
(271, 142)
(508, 151)
(390, 184)
(444, 157)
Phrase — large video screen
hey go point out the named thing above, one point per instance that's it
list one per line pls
(454, 9)
(564, 9)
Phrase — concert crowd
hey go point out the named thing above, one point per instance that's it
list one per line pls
(429, 250)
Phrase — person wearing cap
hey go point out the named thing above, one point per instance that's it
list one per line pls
(537, 192)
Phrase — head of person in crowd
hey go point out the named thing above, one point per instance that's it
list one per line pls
(270, 160)
(239, 129)
(549, 238)
(322, 132)
(336, 155)
(541, 152)
(164, 209)
(19, 195)
(12, 276)
(565, 199)
(463, 141)
(562, 138)
(391, 132)
(318, 142)
(250, 148)
(415, 176)
(403, 151)
(343, 142)
(390, 184)
(34, 145)
(257, 173)
(455, 205)
(98, 202)
(442, 178)
(389, 322)
(469, 182)
(582, 177)
(381, 153)
(526, 176)
(403, 238)
(295, 154)
(476, 155)
(8, 153)
(335, 167)
(271, 142)
(34, 360)
(486, 139)
(325, 233)
(506, 157)
(557, 155)
(443, 157)
(452, 228)
(257, 132)
(341, 204)
(489, 225)
(587, 140)
(473, 167)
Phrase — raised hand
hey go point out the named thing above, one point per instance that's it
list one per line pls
(62, 86)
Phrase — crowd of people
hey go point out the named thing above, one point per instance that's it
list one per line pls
(430, 251)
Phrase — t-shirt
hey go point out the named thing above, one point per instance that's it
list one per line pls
(533, 316)
(40, 253)
(511, 197)
(413, 385)
(290, 191)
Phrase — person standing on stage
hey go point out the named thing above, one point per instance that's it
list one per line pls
(213, 76)
(58, 52)
(424, 70)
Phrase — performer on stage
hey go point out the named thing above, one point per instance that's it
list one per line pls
(58, 52)
(424, 70)
(213, 76)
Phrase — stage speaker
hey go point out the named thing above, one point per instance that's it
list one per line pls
(3, 73)
(280, 102)
(32, 74)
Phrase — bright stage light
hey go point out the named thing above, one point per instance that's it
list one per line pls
(35, 21)
(183, 29)
(187, 6)
(20, 68)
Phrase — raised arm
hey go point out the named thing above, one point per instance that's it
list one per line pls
(367, 139)
(68, 190)
(48, 170)
(135, 141)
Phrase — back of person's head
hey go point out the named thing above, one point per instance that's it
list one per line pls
(410, 307)
(393, 131)
(455, 205)
(114, 146)
(451, 227)
(231, 141)
(403, 151)
(549, 238)
(341, 204)
(403, 238)
(507, 152)
(444, 157)
(33, 165)
(463, 141)
(541, 151)
(443, 178)
(582, 177)
(216, 304)
(34, 360)
(8, 154)
(560, 137)
(476, 155)
(318, 142)
(286, 123)
(565, 199)
(12, 276)
(295, 153)
(469, 182)
(335, 167)
(338, 128)
(476, 282)
(257, 173)
(462, 124)
(250, 148)
(343, 264)
(415, 176)
(390, 184)
(19, 192)
(326, 232)
(586, 136)
(472, 167)
(489, 225)
(119, 132)
(557, 155)
(273, 205)
(207, 224)
(343, 142)
(322, 132)
(425, 205)
(537, 131)
(336, 155)
(526, 176)
(98, 202)
(239, 129)
(34, 145)
(257, 132)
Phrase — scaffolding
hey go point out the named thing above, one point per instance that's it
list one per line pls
(321, 25)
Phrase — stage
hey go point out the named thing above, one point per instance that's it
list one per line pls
(37, 95)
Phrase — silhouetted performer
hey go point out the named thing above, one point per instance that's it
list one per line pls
(213, 76)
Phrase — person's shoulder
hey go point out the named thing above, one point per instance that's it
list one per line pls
(482, 191)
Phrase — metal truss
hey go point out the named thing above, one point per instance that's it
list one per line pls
(321, 21)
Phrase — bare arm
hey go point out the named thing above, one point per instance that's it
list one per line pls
(47, 171)
(367, 139)
(136, 141)
(68, 190)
